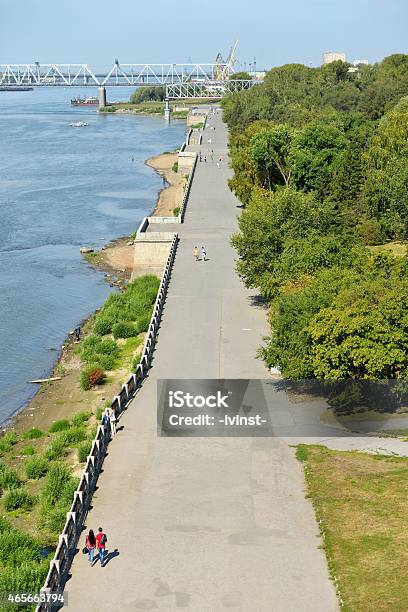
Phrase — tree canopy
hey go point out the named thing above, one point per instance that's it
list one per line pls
(320, 161)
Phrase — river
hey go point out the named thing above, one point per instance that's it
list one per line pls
(62, 188)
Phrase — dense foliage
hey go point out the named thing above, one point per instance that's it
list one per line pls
(320, 160)
(148, 94)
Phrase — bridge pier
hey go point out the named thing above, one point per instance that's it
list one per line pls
(167, 110)
(102, 97)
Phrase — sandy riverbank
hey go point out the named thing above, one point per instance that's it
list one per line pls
(63, 398)
(171, 196)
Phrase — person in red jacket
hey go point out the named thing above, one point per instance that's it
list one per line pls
(101, 540)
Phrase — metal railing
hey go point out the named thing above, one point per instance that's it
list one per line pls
(64, 553)
(187, 190)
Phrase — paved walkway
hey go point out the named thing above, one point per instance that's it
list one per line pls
(203, 524)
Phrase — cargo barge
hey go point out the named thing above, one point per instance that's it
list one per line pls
(15, 88)
(89, 101)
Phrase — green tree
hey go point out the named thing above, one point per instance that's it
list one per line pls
(156, 93)
(363, 334)
(240, 76)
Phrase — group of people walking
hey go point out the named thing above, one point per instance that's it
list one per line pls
(197, 253)
(96, 543)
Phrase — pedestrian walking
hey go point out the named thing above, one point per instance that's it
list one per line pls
(101, 541)
(90, 544)
(218, 164)
(203, 253)
(205, 158)
(196, 253)
(105, 417)
(200, 156)
(112, 421)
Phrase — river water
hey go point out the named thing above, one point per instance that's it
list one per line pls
(62, 188)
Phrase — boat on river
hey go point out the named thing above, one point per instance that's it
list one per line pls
(89, 101)
(79, 124)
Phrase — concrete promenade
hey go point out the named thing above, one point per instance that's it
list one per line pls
(203, 524)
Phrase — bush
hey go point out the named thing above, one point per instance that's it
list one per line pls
(153, 93)
(32, 434)
(100, 351)
(106, 362)
(83, 450)
(176, 211)
(9, 478)
(15, 499)
(7, 441)
(56, 449)
(72, 436)
(28, 450)
(61, 425)
(175, 167)
(36, 467)
(103, 324)
(98, 414)
(57, 478)
(53, 517)
(124, 329)
(117, 299)
(27, 577)
(80, 418)
(16, 547)
(90, 376)
(143, 323)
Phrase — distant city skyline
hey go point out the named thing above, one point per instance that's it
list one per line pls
(275, 33)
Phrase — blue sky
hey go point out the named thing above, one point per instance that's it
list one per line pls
(275, 32)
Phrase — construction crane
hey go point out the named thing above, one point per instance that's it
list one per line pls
(224, 68)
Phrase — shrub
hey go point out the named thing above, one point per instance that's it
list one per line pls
(80, 418)
(26, 577)
(60, 425)
(175, 167)
(83, 450)
(36, 467)
(9, 478)
(176, 211)
(7, 441)
(103, 325)
(56, 449)
(102, 352)
(106, 362)
(53, 517)
(32, 434)
(124, 329)
(28, 450)
(117, 299)
(57, 478)
(90, 376)
(16, 547)
(143, 323)
(98, 414)
(72, 436)
(15, 499)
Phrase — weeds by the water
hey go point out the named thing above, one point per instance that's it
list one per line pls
(60, 425)
(32, 434)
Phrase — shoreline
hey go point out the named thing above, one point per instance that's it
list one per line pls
(115, 260)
